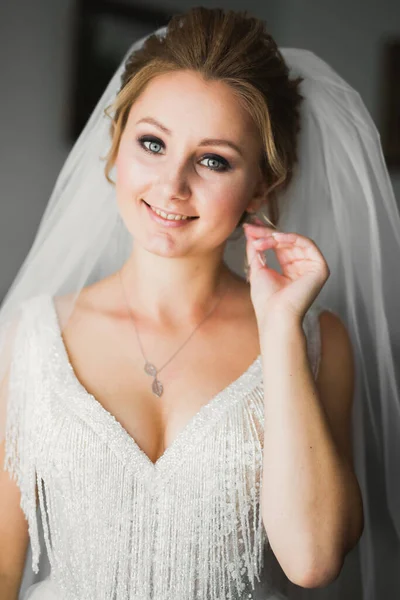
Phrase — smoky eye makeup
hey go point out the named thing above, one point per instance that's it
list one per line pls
(150, 139)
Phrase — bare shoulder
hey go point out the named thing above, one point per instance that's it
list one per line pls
(93, 299)
(337, 359)
(335, 380)
(336, 345)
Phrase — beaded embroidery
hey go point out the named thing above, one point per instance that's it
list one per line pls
(115, 524)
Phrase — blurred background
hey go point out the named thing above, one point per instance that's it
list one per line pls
(56, 57)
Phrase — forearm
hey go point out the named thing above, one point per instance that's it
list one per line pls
(308, 489)
(9, 588)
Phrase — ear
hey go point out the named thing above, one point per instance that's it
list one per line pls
(260, 196)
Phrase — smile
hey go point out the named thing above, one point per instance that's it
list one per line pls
(168, 219)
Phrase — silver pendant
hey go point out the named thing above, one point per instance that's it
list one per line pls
(150, 369)
(157, 386)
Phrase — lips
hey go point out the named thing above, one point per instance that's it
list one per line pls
(189, 217)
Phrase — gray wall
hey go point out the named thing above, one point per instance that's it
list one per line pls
(35, 43)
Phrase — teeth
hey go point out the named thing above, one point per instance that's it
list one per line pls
(169, 216)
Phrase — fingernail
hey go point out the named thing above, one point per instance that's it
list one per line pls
(262, 259)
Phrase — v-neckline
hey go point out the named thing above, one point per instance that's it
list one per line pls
(206, 415)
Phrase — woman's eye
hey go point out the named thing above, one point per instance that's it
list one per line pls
(154, 142)
(225, 165)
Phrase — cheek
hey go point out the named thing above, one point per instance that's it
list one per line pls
(131, 176)
(125, 170)
(230, 200)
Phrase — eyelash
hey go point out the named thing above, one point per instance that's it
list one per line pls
(223, 161)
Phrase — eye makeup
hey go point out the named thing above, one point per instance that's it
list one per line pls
(155, 140)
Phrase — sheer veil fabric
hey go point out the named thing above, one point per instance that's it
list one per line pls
(341, 197)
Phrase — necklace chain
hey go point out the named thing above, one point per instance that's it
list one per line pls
(157, 387)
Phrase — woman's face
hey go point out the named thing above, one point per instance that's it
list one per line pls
(170, 158)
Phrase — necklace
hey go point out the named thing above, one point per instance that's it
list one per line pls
(157, 387)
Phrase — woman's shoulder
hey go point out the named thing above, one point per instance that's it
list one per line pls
(72, 307)
(322, 321)
(325, 328)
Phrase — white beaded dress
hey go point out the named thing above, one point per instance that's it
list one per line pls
(116, 526)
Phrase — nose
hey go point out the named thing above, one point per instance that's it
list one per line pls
(173, 182)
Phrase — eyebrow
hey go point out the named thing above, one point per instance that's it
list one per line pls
(204, 142)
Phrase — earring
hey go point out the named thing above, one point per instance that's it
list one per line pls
(251, 215)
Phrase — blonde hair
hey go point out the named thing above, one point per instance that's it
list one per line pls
(228, 46)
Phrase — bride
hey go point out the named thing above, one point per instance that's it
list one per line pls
(185, 431)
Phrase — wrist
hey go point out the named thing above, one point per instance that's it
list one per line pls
(280, 328)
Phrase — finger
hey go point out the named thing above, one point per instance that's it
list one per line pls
(257, 229)
(295, 239)
(256, 260)
(287, 254)
(273, 241)
(300, 245)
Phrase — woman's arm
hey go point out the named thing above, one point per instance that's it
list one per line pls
(9, 588)
(14, 532)
(14, 535)
(311, 502)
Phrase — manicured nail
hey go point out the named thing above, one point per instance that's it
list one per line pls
(262, 260)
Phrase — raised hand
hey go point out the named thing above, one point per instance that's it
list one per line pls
(304, 272)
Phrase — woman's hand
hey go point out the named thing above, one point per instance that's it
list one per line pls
(304, 272)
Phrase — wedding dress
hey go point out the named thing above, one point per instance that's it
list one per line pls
(117, 526)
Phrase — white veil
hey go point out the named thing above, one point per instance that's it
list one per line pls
(341, 197)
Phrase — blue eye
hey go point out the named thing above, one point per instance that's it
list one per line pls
(220, 160)
(157, 142)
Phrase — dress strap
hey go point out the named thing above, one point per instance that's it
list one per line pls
(311, 326)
